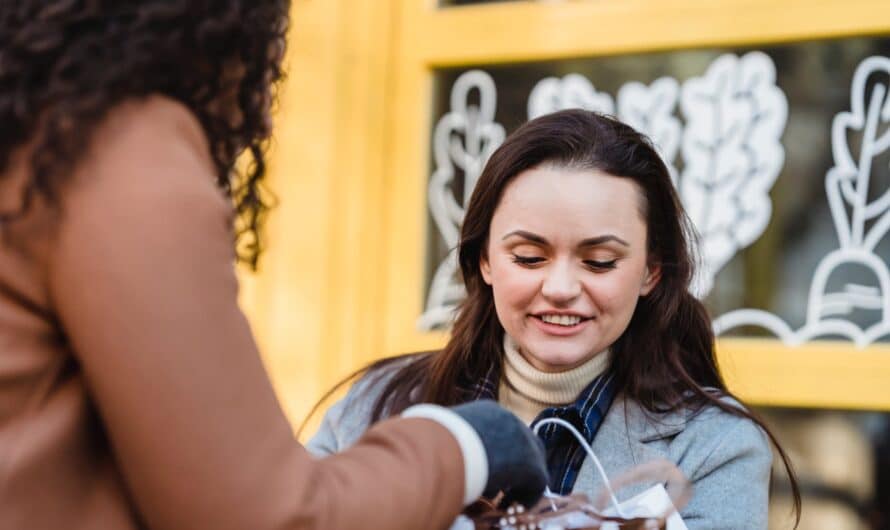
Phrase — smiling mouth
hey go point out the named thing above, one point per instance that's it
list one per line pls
(566, 321)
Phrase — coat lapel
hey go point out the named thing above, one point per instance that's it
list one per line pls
(627, 437)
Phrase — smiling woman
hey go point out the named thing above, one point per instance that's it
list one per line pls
(575, 255)
(567, 263)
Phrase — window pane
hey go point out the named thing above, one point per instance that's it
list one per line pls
(771, 241)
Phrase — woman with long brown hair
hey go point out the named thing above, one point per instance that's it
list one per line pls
(575, 253)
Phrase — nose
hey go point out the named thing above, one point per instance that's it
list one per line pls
(561, 283)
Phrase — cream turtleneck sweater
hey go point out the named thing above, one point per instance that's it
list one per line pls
(526, 391)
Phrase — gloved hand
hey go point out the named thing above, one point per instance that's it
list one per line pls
(516, 458)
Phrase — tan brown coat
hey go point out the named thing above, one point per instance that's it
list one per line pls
(132, 394)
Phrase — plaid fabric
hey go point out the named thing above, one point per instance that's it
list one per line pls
(485, 388)
(564, 453)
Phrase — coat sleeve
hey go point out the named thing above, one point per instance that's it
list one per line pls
(141, 280)
(730, 477)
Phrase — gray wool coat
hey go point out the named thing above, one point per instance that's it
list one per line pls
(727, 458)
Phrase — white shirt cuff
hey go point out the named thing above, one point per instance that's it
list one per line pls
(475, 458)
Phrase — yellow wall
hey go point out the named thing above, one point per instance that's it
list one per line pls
(314, 303)
(341, 282)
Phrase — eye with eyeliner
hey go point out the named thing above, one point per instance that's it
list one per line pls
(600, 265)
(527, 260)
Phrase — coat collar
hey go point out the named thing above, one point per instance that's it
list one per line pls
(629, 436)
(631, 420)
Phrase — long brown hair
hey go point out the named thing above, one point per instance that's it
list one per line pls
(665, 359)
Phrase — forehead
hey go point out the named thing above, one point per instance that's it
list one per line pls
(565, 201)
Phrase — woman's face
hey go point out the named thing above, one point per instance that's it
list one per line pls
(566, 259)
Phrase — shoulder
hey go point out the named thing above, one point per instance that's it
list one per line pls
(728, 459)
(371, 385)
(150, 123)
(346, 420)
(725, 456)
(697, 439)
(137, 151)
(714, 437)
(147, 160)
(147, 144)
(714, 420)
(145, 185)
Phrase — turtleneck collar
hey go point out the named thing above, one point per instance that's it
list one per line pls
(526, 391)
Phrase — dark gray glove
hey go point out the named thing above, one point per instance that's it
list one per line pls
(516, 458)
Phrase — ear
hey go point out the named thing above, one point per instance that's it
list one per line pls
(485, 268)
(653, 275)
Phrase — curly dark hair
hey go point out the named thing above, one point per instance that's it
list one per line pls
(65, 63)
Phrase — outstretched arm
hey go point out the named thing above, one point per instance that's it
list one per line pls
(142, 281)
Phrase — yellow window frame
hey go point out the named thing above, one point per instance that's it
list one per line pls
(824, 374)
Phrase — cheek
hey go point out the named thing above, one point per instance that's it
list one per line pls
(617, 292)
(512, 285)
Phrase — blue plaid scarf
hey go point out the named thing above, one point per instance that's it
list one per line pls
(564, 454)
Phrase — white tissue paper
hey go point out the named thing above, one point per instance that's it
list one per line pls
(651, 503)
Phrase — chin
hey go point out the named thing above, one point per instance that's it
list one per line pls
(563, 362)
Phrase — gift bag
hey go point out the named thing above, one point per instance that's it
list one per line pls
(655, 508)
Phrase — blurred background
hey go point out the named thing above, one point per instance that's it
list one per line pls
(773, 116)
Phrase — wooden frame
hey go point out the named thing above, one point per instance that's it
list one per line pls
(342, 280)
(314, 304)
(819, 374)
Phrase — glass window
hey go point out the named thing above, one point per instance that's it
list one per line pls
(793, 222)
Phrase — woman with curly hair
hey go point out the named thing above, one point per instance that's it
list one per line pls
(131, 391)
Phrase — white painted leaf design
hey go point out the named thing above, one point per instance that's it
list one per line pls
(865, 130)
(573, 91)
(732, 153)
(463, 140)
(650, 110)
(849, 181)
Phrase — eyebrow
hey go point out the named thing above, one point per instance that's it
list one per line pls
(589, 242)
(594, 241)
